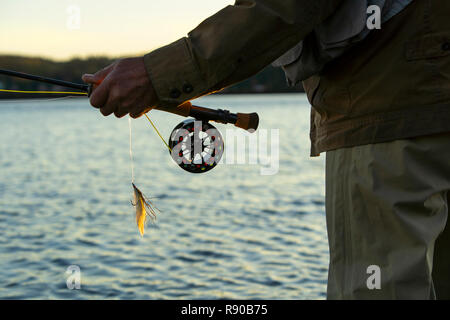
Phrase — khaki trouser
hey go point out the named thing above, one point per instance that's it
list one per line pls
(387, 205)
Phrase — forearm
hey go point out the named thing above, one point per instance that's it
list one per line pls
(231, 45)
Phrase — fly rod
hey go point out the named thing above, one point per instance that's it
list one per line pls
(246, 121)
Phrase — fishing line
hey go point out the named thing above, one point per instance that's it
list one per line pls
(9, 101)
(45, 92)
(157, 131)
(131, 152)
(143, 205)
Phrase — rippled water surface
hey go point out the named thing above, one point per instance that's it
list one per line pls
(230, 233)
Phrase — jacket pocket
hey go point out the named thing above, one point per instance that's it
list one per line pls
(329, 96)
(429, 57)
(428, 46)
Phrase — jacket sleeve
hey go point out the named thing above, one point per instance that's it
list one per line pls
(230, 46)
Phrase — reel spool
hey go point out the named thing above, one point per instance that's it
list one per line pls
(197, 146)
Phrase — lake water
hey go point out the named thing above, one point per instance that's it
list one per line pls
(231, 233)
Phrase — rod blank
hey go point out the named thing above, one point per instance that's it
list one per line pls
(67, 84)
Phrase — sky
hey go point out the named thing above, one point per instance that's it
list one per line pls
(63, 29)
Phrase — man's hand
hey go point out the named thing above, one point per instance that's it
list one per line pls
(121, 88)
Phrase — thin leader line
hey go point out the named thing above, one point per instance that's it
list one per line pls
(131, 152)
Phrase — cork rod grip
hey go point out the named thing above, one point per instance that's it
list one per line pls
(247, 121)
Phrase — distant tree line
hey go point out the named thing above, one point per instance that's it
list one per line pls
(269, 80)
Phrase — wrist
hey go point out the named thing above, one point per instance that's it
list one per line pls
(174, 75)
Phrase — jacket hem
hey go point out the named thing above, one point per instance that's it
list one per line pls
(381, 128)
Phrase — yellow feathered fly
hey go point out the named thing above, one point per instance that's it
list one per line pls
(144, 207)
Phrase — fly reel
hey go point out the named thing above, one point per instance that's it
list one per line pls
(196, 145)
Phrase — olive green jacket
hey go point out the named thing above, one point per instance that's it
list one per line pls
(395, 84)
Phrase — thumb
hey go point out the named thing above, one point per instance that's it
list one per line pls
(98, 77)
(89, 78)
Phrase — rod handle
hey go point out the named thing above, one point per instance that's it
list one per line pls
(183, 110)
(247, 121)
